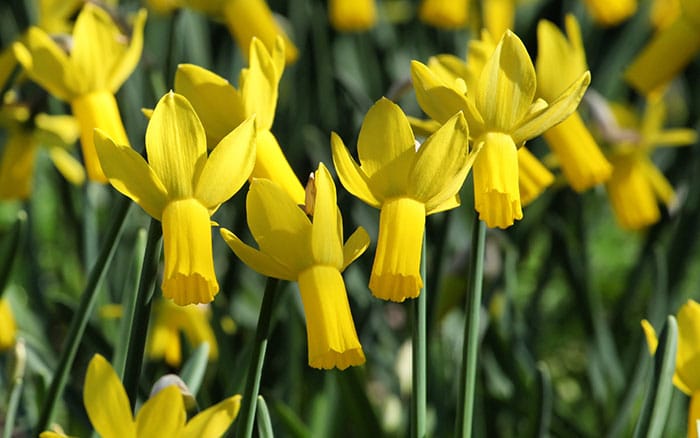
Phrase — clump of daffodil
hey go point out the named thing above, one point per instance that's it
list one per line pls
(611, 12)
(687, 375)
(406, 183)
(8, 326)
(352, 15)
(181, 187)
(169, 322)
(503, 114)
(448, 14)
(669, 51)
(636, 184)
(163, 414)
(101, 58)
(246, 19)
(221, 108)
(25, 137)
(559, 63)
(294, 247)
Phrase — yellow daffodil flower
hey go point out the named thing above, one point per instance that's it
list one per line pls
(687, 375)
(448, 14)
(246, 19)
(668, 52)
(559, 63)
(611, 12)
(664, 12)
(352, 15)
(181, 187)
(55, 133)
(499, 16)
(406, 183)
(221, 108)
(637, 184)
(164, 414)
(171, 320)
(100, 60)
(8, 327)
(502, 113)
(311, 252)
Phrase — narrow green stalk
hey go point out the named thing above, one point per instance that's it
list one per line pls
(470, 349)
(419, 344)
(142, 312)
(82, 315)
(252, 386)
(20, 364)
(89, 225)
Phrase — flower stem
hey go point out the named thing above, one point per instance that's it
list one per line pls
(82, 315)
(142, 311)
(418, 335)
(20, 364)
(465, 406)
(252, 386)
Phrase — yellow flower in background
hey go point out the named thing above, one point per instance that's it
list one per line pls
(664, 12)
(502, 113)
(406, 183)
(610, 12)
(669, 51)
(8, 327)
(637, 184)
(448, 14)
(246, 19)
(169, 322)
(498, 16)
(559, 63)
(687, 375)
(181, 187)
(221, 108)
(163, 414)
(352, 15)
(100, 60)
(310, 252)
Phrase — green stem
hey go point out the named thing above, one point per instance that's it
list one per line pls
(20, 362)
(142, 311)
(89, 225)
(465, 406)
(252, 386)
(418, 337)
(82, 315)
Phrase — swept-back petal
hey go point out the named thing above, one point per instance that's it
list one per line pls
(356, 244)
(163, 414)
(435, 97)
(559, 61)
(106, 401)
(325, 244)
(67, 165)
(351, 175)
(507, 85)
(439, 170)
(214, 421)
(259, 91)
(129, 59)
(228, 166)
(217, 103)
(536, 122)
(259, 261)
(129, 173)
(176, 145)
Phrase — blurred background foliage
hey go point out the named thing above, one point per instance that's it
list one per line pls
(565, 289)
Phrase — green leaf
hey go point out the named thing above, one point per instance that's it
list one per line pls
(263, 417)
(195, 367)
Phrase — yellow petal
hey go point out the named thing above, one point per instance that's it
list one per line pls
(47, 64)
(176, 145)
(259, 91)
(496, 191)
(674, 137)
(559, 61)
(688, 355)
(436, 98)
(356, 244)
(650, 335)
(69, 167)
(658, 182)
(694, 415)
(326, 230)
(352, 15)
(533, 178)
(271, 163)
(188, 276)
(8, 326)
(129, 173)
(257, 260)
(445, 14)
(130, 57)
(631, 195)
(217, 103)
(7, 64)
(56, 130)
(541, 119)
(330, 330)
(17, 166)
(499, 16)
(351, 175)
(164, 342)
(610, 13)
(442, 164)
(507, 85)
(162, 415)
(423, 127)
(228, 166)
(214, 421)
(396, 269)
(106, 401)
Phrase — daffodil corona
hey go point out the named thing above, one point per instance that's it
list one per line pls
(311, 252)
(181, 187)
(406, 183)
